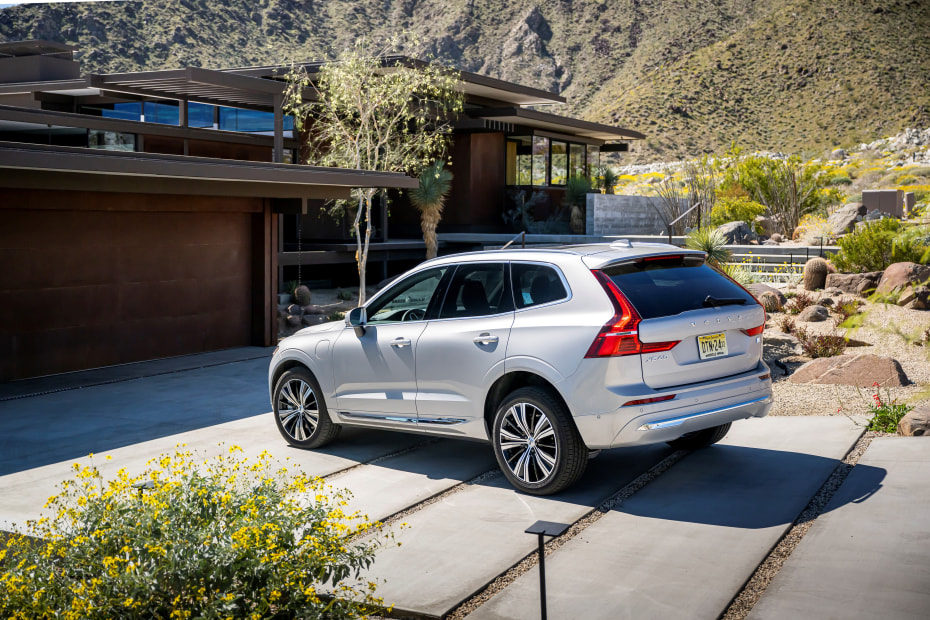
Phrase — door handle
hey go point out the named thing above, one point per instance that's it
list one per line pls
(400, 342)
(486, 338)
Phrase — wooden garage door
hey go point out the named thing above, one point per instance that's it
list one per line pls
(85, 288)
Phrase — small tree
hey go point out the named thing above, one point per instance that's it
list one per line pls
(429, 198)
(370, 112)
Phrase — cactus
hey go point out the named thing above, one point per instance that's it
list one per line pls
(302, 295)
(770, 302)
(815, 273)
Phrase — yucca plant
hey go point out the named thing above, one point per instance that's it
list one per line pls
(429, 198)
(710, 241)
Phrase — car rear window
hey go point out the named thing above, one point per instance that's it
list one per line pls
(668, 287)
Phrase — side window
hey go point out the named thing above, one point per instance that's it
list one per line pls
(535, 284)
(478, 289)
(409, 299)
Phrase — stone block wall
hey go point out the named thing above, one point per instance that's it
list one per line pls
(890, 201)
(611, 214)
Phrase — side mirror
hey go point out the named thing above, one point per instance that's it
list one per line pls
(357, 318)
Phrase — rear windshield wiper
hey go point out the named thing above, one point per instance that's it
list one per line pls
(713, 302)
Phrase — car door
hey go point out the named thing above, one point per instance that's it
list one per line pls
(375, 373)
(461, 352)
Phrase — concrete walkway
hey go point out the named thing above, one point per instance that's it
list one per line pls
(869, 555)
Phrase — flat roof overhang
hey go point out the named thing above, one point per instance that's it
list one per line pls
(557, 124)
(31, 166)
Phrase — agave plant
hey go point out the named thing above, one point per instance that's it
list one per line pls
(712, 242)
(429, 198)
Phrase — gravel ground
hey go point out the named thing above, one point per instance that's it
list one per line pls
(882, 330)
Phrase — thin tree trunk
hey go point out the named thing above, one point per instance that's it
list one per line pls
(362, 247)
(429, 220)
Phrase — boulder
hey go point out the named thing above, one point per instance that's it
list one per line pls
(844, 219)
(737, 232)
(777, 238)
(826, 301)
(832, 291)
(312, 309)
(854, 283)
(295, 310)
(916, 423)
(915, 298)
(838, 154)
(757, 288)
(293, 320)
(900, 275)
(863, 370)
(814, 314)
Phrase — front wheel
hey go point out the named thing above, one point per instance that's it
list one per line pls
(300, 412)
(700, 439)
(536, 444)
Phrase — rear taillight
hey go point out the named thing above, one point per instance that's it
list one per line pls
(648, 401)
(755, 331)
(620, 336)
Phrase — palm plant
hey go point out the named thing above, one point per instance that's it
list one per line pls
(712, 242)
(429, 198)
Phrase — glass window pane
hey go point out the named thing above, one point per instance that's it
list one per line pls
(131, 111)
(407, 300)
(536, 284)
(594, 158)
(511, 165)
(576, 160)
(199, 115)
(111, 140)
(540, 160)
(559, 163)
(477, 290)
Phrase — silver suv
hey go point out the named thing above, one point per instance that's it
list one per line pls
(551, 354)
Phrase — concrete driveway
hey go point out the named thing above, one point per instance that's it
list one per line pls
(681, 546)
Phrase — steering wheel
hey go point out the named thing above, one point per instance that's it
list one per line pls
(414, 314)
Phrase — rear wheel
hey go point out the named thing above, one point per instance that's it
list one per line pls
(300, 411)
(700, 439)
(536, 444)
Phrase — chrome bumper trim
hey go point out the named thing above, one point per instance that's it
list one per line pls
(673, 422)
(402, 419)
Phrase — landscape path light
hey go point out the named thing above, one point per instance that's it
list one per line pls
(543, 529)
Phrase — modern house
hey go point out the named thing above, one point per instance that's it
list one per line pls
(156, 213)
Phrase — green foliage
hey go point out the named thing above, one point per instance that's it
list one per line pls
(710, 241)
(336, 316)
(577, 189)
(847, 307)
(838, 179)
(800, 300)
(606, 178)
(343, 295)
(226, 537)
(429, 197)
(877, 244)
(820, 345)
(886, 413)
(738, 273)
(736, 209)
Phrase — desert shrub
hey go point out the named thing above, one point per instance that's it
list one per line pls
(785, 323)
(710, 241)
(216, 538)
(846, 307)
(813, 230)
(799, 301)
(820, 345)
(736, 209)
(336, 316)
(838, 179)
(920, 171)
(887, 413)
(906, 179)
(738, 273)
(868, 248)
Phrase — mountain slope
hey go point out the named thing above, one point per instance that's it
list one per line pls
(693, 75)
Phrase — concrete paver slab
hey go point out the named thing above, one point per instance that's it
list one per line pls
(868, 555)
(685, 544)
(389, 486)
(42, 430)
(454, 547)
(24, 493)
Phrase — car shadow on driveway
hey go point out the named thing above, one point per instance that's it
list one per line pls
(741, 487)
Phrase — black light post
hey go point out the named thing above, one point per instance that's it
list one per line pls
(543, 529)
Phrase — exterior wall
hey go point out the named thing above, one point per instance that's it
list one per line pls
(37, 69)
(890, 201)
(610, 214)
(476, 201)
(94, 279)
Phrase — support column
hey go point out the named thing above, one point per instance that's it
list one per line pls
(278, 154)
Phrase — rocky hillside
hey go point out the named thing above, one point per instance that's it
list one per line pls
(693, 75)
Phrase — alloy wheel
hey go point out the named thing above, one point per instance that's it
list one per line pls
(528, 443)
(298, 410)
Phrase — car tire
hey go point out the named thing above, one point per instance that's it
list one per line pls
(700, 439)
(536, 443)
(300, 411)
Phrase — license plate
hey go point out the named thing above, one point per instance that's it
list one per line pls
(712, 345)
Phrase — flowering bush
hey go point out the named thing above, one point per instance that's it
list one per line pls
(820, 345)
(216, 538)
(886, 413)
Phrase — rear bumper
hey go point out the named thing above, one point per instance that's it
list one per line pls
(692, 409)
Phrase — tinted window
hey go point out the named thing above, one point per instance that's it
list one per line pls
(409, 299)
(477, 290)
(536, 284)
(668, 287)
